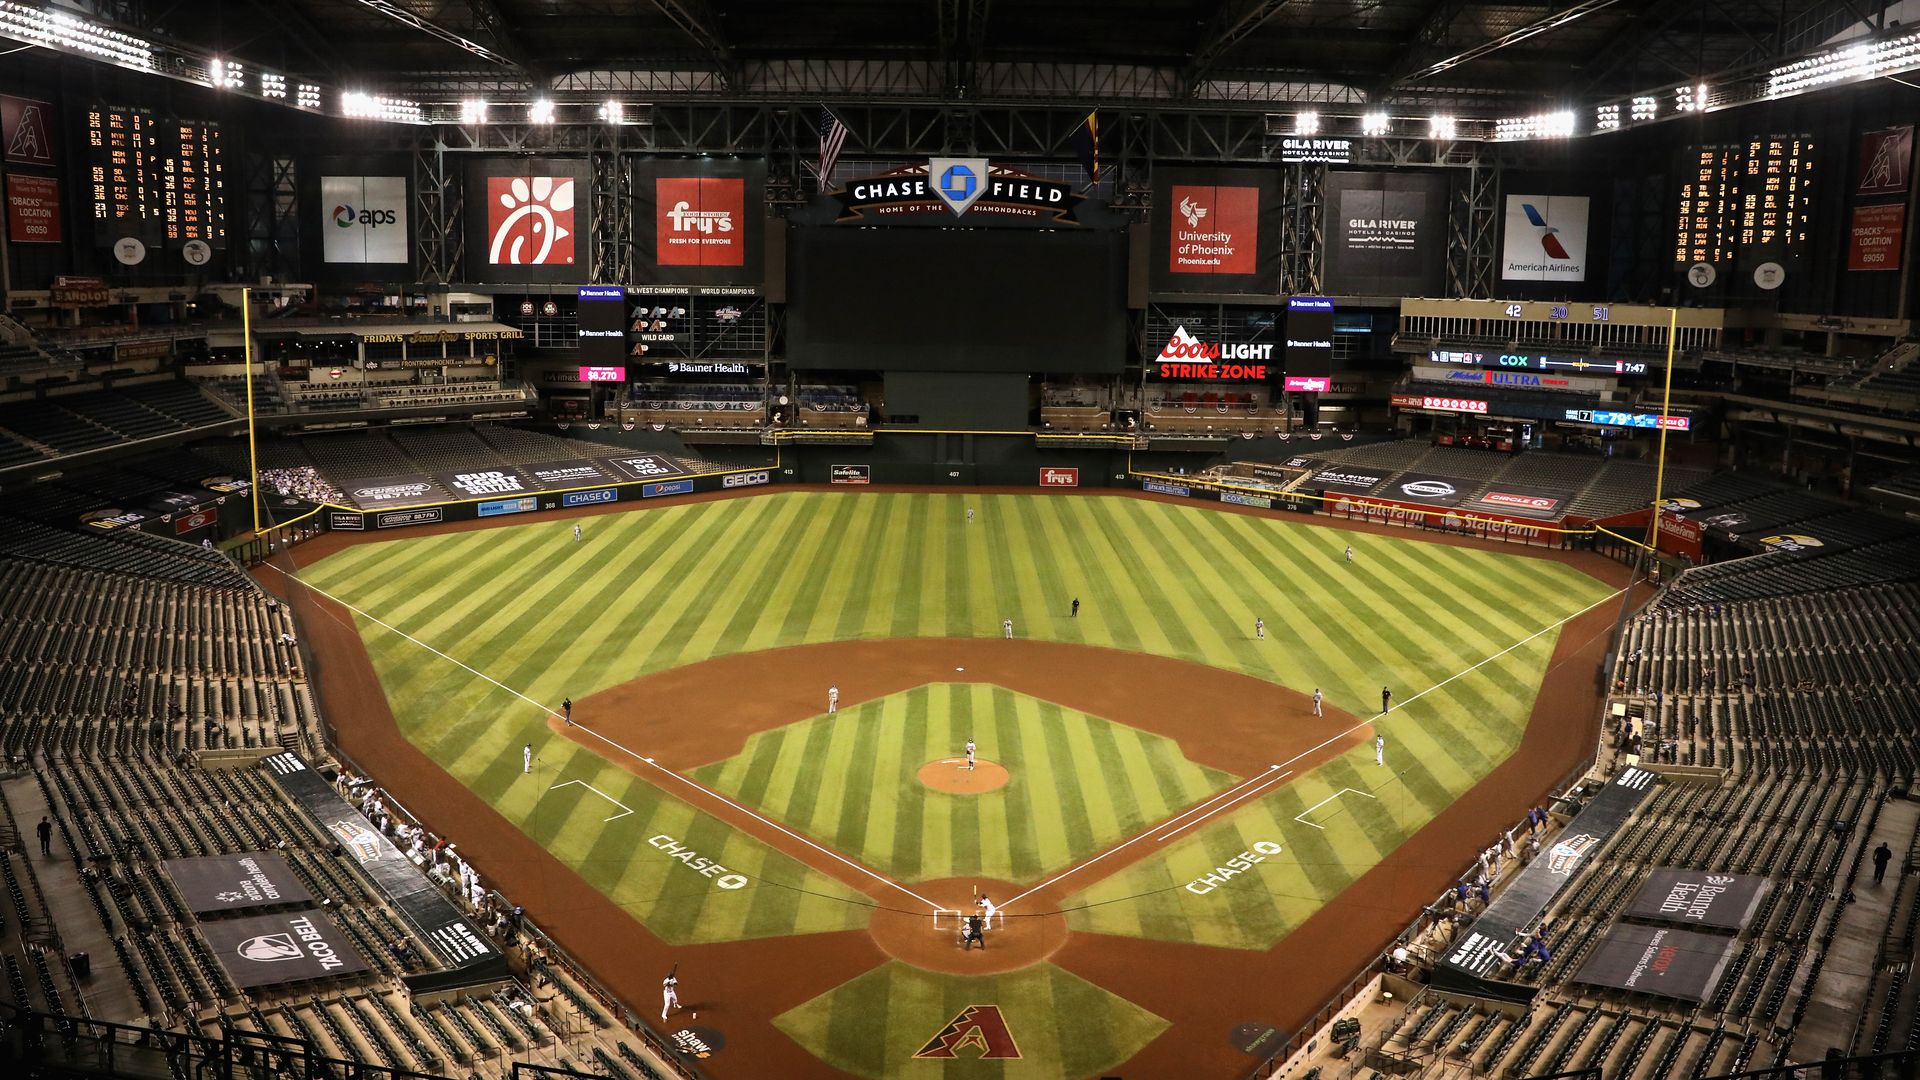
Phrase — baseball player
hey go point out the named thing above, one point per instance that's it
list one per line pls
(833, 700)
(1316, 702)
(1006, 627)
(972, 935)
(1379, 749)
(1076, 607)
(1259, 629)
(526, 758)
(969, 754)
(669, 995)
(987, 911)
(969, 515)
(1386, 700)
(566, 707)
(1349, 552)
(576, 532)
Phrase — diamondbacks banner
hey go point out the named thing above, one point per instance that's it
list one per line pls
(268, 950)
(455, 941)
(1699, 898)
(1658, 960)
(250, 879)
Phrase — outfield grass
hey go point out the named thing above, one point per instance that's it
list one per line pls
(669, 585)
(850, 781)
(1063, 1025)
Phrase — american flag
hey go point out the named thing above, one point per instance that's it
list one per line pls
(833, 136)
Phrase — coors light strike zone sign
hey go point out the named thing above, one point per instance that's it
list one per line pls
(1187, 357)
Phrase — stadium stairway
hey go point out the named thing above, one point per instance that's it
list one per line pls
(1834, 1015)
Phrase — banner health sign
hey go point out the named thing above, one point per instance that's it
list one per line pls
(601, 325)
(1680, 964)
(269, 950)
(1699, 898)
(221, 883)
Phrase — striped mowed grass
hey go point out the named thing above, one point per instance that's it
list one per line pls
(669, 585)
(1078, 783)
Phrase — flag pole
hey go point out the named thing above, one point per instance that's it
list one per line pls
(253, 455)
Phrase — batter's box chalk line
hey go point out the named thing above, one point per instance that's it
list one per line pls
(1301, 817)
(624, 808)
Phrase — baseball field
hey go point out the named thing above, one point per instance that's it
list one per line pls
(1181, 850)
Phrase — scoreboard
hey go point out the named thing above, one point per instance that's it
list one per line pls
(158, 179)
(1748, 201)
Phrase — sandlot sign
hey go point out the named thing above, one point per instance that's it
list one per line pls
(273, 949)
(219, 883)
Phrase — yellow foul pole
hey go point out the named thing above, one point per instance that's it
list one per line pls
(1666, 406)
(253, 456)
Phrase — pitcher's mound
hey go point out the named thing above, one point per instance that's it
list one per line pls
(952, 775)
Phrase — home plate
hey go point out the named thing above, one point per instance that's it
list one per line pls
(959, 669)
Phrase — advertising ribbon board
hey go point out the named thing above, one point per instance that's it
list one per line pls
(222, 883)
(454, 939)
(1680, 964)
(1479, 956)
(1699, 898)
(268, 950)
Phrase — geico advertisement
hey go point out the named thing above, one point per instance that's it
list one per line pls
(364, 219)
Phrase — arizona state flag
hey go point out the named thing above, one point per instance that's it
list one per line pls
(1086, 145)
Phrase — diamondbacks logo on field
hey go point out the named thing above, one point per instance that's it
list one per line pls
(979, 1027)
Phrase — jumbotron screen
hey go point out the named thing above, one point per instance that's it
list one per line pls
(990, 300)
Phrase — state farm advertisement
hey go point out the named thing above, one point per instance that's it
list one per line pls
(1876, 236)
(1679, 535)
(1185, 357)
(1405, 515)
(33, 209)
(708, 219)
(528, 220)
(1207, 226)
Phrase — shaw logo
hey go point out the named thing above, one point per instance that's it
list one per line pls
(978, 1027)
(530, 220)
(269, 948)
(1549, 242)
(1059, 477)
(698, 1042)
(687, 219)
(1564, 857)
(1192, 211)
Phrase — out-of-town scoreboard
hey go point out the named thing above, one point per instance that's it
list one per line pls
(1751, 200)
(154, 178)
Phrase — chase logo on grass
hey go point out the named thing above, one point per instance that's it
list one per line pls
(980, 1027)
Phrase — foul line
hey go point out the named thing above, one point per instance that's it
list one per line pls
(709, 792)
(1166, 836)
(624, 808)
(1301, 817)
(1323, 744)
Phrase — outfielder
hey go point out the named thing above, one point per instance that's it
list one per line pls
(1259, 629)
(669, 994)
(833, 700)
(576, 532)
(1316, 702)
(526, 758)
(1349, 552)
(1379, 749)
(969, 515)
(1006, 627)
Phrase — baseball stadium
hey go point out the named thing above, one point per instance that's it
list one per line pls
(1232, 540)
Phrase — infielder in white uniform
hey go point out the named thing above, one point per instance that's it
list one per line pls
(669, 995)
(833, 699)
(1006, 627)
(1379, 749)
(969, 755)
(1349, 552)
(1316, 702)
(526, 758)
